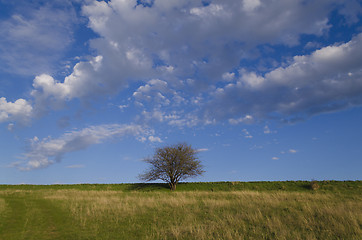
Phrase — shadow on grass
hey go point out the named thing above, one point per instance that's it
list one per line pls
(148, 186)
(307, 186)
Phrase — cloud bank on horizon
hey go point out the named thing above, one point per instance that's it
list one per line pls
(183, 63)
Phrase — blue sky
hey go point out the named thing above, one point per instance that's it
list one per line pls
(265, 90)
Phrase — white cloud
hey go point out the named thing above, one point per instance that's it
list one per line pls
(11, 126)
(20, 110)
(246, 119)
(292, 151)
(202, 150)
(154, 139)
(246, 133)
(210, 11)
(153, 115)
(136, 42)
(47, 151)
(153, 91)
(275, 158)
(328, 79)
(180, 119)
(34, 38)
(122, 107)
(228, 77)
(267, 130)
(182, 50)
(250, 5)
(251, 80)
(49, 87)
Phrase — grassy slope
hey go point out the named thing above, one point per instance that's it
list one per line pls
(223, 210)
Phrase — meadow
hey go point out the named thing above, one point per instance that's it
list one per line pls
(222, 210)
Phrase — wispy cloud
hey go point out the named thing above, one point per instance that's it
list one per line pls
(292, 151)
(47, 151)
(33, 41)
(246, 119)
(267, 130)
(202, 150)
(246, 133)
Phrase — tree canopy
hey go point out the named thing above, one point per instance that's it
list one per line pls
(173, 164)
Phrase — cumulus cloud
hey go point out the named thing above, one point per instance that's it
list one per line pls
(84, 82)
(20, 110)
(328, 79)
(178, 50)
(172, 40)
(154, 91)
(47, 151)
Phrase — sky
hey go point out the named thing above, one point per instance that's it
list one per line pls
(263, 90)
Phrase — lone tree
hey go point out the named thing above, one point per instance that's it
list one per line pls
(172, 164)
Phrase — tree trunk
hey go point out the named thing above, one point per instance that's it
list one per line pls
(172, 186)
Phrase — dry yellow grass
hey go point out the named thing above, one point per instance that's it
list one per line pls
(2, 205)
(214, 215)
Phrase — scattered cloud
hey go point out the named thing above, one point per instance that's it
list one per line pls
(246, 133)
(267, 130)
(292, 151)
(246, 119)
(11, 126)
(275, 158)
(122, 107)
(154, 139)
(256, 147)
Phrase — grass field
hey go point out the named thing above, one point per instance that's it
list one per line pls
(224, 210)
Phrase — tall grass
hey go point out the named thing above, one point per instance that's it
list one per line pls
(209, 215)
(277, 210)
(2, 205)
